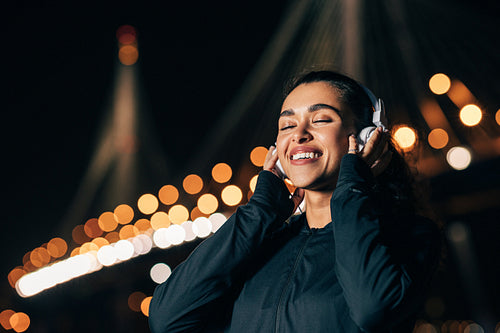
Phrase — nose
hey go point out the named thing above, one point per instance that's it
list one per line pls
(301, 134)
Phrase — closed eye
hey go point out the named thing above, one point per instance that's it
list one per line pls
(323, 121)
(286, 127)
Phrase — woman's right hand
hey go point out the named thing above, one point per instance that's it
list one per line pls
(270, 165)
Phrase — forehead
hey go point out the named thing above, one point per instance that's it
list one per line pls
(308, 94)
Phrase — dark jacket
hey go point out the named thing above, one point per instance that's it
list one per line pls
(364, 272)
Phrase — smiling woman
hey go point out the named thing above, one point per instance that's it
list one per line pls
(358, 259)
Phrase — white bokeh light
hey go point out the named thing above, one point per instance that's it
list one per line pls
(459, 158)
(202, 227)
(217, 220)
(124, 249)
(160, 272)
(175, 234)
(188, 228)
(107, 255)
(160, 238)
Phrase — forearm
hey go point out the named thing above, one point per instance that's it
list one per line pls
(186, 301)
(382, 281)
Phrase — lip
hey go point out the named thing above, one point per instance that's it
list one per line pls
(304, 149)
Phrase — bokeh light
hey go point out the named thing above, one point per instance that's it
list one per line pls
(126, 34)
(39, 257)
(253, 183)
(124, 249)
(160, 272)
(497, 117)
(15, 275)
(128, 55)
(195, 213)
(160, 220)
(471, 115)
(221, 173)
(5, 317)
(147, 204)
(458, 158)
(19, 321)
(208, 203)
(78, 234)
(192, 184)
(439, 83)
(92, 228)
(258, 156)
(145, 305)
(134, 301)
(107, 221)
(128, 231)
(405, 137)
(217, 220)
(188, 228)
(143, 225)
(57, 247)
(178, 214)
(231, 195)
(124, 214)
(100, 241)
(168, 194)
(202, 227)
(112, 237)
(438, 138)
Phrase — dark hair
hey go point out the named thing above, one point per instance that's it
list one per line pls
(397, 182)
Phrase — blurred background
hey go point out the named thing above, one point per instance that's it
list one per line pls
(131, 131)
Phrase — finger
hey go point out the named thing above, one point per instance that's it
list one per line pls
(271, 159)
(375, 146)
(297, 197)
(353, 144)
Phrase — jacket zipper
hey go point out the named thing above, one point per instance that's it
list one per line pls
(292, 272)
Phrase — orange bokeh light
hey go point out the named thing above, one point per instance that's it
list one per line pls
(147, 204)
(40, 257)
(221, 173)
(195, 213)
(231, 195)
(92, 228)
(178, 214)
(78, 234)
(160, 220)
(124, 214)
(168, 194)
(134, 301)
(258, 156)
(107, 221)
(128, 231)
(100, 241)
(15, 275)
(5, 317)
(208, 203)
(57, 247)
(438, 138)
(145, 305)
(19, 321)
(112, 237)
(87, 247)
(142, 225)
(128, 55)
(192, 184)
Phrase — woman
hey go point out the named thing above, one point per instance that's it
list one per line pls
(357, 260)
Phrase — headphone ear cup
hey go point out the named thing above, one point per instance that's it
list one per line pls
(364, 135)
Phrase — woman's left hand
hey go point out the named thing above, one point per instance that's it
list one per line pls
(375, 153)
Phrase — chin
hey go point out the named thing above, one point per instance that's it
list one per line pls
(319, 183)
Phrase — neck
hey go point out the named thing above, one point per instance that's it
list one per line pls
(318, 208)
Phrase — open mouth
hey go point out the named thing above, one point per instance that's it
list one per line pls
(305, 156)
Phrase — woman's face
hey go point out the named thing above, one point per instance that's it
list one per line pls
(312, 138)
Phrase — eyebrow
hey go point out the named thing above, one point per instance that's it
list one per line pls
(312, 108)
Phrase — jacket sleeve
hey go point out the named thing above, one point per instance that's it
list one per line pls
(198, 294)
(383, 271)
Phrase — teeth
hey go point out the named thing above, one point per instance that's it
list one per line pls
(303, 156)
